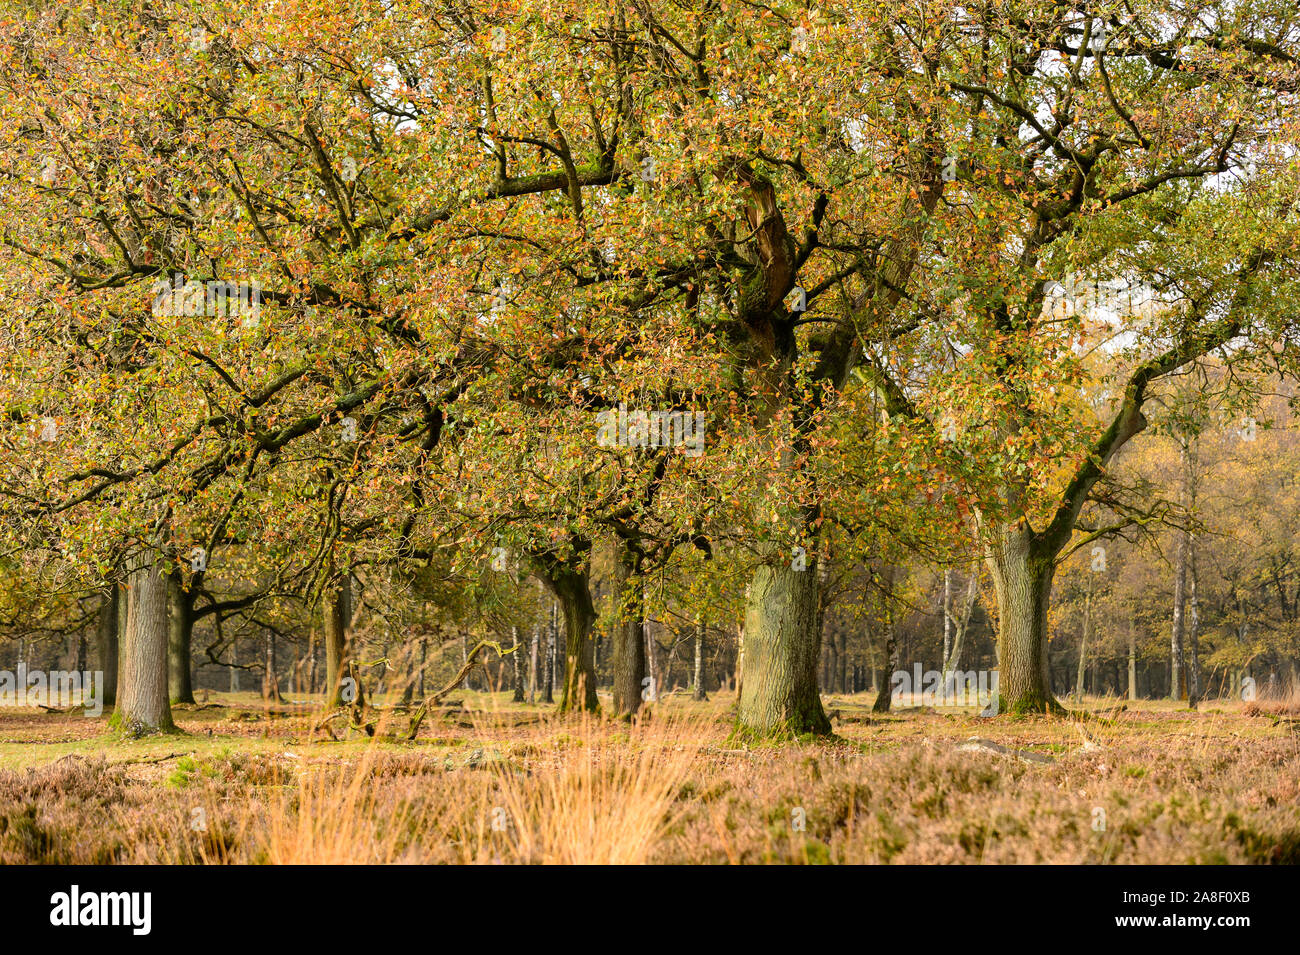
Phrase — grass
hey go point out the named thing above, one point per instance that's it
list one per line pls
(496, 782)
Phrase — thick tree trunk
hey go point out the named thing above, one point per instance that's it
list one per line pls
(569, 581)
(143, 707)
(336, 606)
(106, 636)
(629, 631)
(885, 696)
(699, 693)
(1022, 569)
(779, 695)
(180, 631)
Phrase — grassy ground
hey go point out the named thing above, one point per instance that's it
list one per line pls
(491, 781)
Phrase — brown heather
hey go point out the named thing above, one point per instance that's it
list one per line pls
(507, 784)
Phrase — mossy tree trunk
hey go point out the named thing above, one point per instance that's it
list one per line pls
(336, 613)
(1022, 566)
(779, 693)
(142, 707)
(567, 577)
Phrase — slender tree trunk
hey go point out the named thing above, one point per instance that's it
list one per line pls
(700, 693)
(106, 635)
(270, 681)
(234, 666)
(123, 604)
(960, 624)
(532, 664)
(1132, 662)
(947, 616)
(548, 676)
(629, 630)
(1193, 628)
(143, 706)
(180, 630)
(336, 605)
(1022, 568)
(519, 666)
(1083, 644)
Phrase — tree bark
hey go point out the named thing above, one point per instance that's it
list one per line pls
(699, 693)
(336, 606)
(180, 631)
(519, 667)
(143, 705)
(1132, 662)
(570, 583)
(1022, 567)
(782, 645)
(1083, 644)
(884, 698)
(106, 636)
(629, 630)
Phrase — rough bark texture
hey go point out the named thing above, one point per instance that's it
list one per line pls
(782, 646)
(336, 610)
(629, 631)
(106, 643)
(574, 594)
(1022, 569)
(142, 707)
(180, 631)
(885, 693)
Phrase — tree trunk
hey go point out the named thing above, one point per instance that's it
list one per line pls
(884, 698)
(1132, 662)
(1193, 628)
(106, 636)
(700, 693)
(336, 604)
(960, 624)
(143, 707)
(548, 664)
(572, 588)
(532, 664)
(270, 682)
(947, 618)
(519, 667)
(629, 631)
(782, 646)
(180, 631)
(123, 603)
(1022, 569)
(1083, 644)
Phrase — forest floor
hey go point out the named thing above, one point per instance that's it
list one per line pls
(491, 781)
